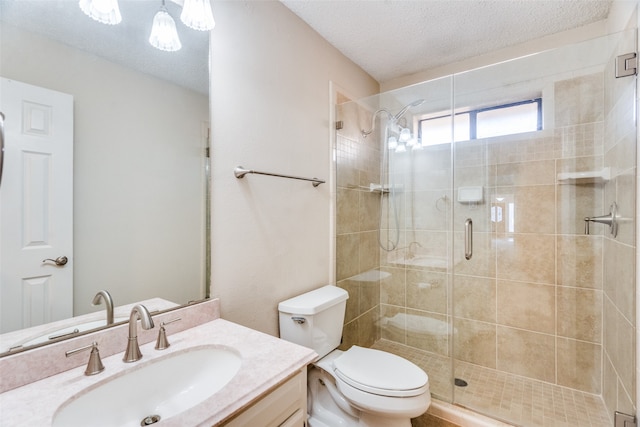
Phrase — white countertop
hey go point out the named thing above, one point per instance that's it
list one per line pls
(266, 362)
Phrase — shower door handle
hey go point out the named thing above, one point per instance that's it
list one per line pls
(468, 239)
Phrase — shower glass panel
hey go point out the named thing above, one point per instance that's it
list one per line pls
(467, 254)
(393, 240)
(539, 308)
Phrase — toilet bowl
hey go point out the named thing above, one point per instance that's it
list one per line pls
(358, 387)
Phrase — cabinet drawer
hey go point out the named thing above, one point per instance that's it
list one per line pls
(295, 420)
(278, 408)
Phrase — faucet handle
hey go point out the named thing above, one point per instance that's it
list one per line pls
(162, 342)
(95, 365)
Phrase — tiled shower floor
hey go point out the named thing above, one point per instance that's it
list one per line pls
(511, 398)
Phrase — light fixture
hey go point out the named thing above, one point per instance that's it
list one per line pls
(405, 135)
(105, 11)
(197, 14)
(164, 35)
(403, 141)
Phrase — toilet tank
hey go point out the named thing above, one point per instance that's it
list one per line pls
(314, 319)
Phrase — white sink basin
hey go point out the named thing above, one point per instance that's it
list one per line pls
(161, 388)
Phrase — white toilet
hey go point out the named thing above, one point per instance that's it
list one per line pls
(358, 387)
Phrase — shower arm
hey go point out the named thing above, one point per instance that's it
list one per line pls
(366, 133)
(394, 119)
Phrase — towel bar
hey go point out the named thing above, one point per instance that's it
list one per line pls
(240, 172)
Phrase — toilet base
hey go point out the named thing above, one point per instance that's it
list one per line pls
(325, 410)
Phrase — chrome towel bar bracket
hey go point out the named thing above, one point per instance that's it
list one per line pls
(240, 172)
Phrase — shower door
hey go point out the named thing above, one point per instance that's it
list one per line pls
(543, 299)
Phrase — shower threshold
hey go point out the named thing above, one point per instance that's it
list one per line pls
(507, 397)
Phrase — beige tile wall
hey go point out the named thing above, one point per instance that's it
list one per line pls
(539, 298)
(619, 275)
(357, 257)
(539, 273)
(530, 300)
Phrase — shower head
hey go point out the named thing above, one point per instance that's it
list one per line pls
(406, 107)
(394, 119)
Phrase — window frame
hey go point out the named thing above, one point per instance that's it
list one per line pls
(473, 115)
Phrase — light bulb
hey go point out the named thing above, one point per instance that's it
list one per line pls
(392, 143)
(164, 35)
(405, 135)
(104, 11)
(197, 14)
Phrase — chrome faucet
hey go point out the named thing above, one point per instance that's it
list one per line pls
(108, 302)
(138, 311)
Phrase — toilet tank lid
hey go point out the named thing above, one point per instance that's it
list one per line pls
(314, 301)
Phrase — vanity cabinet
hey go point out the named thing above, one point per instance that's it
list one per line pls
(286, 406)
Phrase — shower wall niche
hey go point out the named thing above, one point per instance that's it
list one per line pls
(540, 321)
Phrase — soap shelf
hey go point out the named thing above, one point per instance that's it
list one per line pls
(586, 177)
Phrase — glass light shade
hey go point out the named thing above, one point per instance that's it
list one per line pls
(197, 14)
(164, 35)
(411, 141)
(401, 148)
(392, 143)
(105, 11)
(405, 135)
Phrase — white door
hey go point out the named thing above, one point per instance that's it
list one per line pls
(36, 206)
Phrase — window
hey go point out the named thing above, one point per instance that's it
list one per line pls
(506, 119)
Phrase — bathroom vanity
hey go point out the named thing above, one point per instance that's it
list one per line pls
(284, 407)
(266, 382)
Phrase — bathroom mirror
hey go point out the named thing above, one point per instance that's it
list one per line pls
(140, 131)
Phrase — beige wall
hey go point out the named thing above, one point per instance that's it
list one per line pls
(271, 105)
(138, 172)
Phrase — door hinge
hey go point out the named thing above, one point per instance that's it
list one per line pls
(624, 420)
(627, 65)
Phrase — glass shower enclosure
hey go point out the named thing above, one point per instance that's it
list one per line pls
(485, 231)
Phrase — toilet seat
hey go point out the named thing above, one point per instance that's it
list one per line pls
(380, 373)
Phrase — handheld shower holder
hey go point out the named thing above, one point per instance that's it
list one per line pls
(611, 220)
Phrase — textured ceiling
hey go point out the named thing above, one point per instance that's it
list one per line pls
(390, 39)
(386, 38)
(125, 43)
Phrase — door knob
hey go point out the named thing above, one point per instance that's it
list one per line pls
(60, 261)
